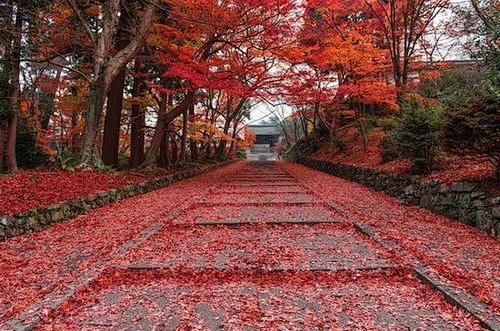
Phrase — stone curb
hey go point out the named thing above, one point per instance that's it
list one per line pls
(462, 300)
(455, 296)
(44, 216)
(462, 201)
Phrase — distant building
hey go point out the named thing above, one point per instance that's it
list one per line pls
(266, 137)
(266, 134)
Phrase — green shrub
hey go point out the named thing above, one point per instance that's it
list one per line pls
(387, 123)
(416, 135)
(389, 151)
(241, 154)
(123, 162)
(28, 154)
(66, 161)
(339, 143)
(471, 125)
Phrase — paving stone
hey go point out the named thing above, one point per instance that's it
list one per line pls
(260, 183)
(322, 247)
(263, 198)
(260, 189)
(208, 302)
(237, 215)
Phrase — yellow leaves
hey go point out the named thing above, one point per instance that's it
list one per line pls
(93, 11)
(141, 101)
(201, 131)
(248, 141)
(70, 104)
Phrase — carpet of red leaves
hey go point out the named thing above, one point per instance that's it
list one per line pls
(464, 254)
(185, 299)
(455, 168)
(257, 274)
(29, 189)
(35, 264)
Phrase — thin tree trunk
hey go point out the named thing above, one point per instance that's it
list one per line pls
(184, 135)
(221, 149)
(164, 157)
(2, 144)
(193, 145)
(15, 92)
(163, 121)
(11, 144)
(164, 150)
(137, 130)
(175, 151)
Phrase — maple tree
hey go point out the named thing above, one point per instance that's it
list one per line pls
(219, 46)
(402, 25)
(202, 66)
(339, 68)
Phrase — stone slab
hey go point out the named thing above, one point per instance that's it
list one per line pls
(261, 214)
(262, 198)
(261, 189)
(221, 301)
(267, 247)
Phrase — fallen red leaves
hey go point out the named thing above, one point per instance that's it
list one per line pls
(194, 299)
(456, 169)
(464, 254)
(34, 188)
(33, 265)
(255, 274)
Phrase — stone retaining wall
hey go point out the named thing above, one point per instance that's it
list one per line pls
(42, 217)
(461, 200)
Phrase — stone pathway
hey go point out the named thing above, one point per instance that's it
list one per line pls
(259, 249)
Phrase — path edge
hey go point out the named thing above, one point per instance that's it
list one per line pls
(43, 217)
(461, 201)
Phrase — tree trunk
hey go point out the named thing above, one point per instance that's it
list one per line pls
(90, 157)
(2, 144)
(111, 137)
(164, 157)
(137, 127)
(193, 145)
(184, 135)
(221, 149)
(164, 120)
(14, 96)
(11, 144)
(175, 151)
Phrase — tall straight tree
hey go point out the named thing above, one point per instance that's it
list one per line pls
(111, 135)
(15, 69)
(137, 121)
(107, 65)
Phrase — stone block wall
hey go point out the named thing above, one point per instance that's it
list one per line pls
(462, 200)
(42, 217)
